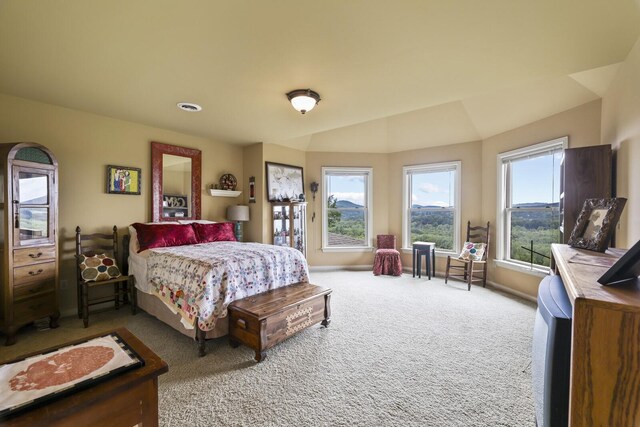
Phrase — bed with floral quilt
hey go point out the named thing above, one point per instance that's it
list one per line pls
(200, 280)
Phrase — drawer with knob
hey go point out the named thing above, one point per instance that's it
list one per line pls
(31, 255)
(34, 308)
(33, 289)
(34, 273)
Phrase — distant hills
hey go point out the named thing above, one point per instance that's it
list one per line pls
(345, 204)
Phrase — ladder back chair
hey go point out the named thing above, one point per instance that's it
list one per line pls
(474, 254)
(97, 266)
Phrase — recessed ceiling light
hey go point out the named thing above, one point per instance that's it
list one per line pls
(189, 106)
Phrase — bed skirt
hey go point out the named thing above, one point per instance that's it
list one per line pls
(152, 305)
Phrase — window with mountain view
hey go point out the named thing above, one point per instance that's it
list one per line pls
(530, 214)
(346, 214)
(431, 205)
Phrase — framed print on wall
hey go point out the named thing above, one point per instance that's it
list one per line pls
(284, 182)
(123, 180)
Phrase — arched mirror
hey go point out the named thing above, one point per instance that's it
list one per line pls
(175, 182)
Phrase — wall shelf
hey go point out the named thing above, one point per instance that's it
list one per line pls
(224, 193)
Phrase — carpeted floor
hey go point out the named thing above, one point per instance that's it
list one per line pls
(399, 352)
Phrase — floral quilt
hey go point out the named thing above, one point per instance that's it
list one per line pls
(200, 281)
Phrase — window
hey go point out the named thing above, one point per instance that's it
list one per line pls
(431, 206)
(528, 203)
(346, 214)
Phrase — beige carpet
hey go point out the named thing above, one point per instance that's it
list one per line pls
(399, 352)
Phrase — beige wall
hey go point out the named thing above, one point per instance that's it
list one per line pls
(84, 145)
(621, 128)
(253, 162)
(581, 124)
(471, 186)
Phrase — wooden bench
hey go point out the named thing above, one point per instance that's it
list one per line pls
(264, 320)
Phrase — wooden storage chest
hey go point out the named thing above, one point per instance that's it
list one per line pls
(264, 320)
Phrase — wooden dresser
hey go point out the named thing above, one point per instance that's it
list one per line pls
(605, 342)
(29, 261)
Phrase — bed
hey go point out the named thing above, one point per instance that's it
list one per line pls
(187, 274)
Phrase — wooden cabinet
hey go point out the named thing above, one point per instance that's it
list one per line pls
(605, 340)
(29, 262)
(586, 173)
(290, 225)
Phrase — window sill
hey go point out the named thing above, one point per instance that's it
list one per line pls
(348, 249)
(535, 271)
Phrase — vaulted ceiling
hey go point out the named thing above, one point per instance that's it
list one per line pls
(393, 75)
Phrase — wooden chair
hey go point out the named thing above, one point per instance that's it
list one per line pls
(98, 271)
(387, 260)
(466, 267)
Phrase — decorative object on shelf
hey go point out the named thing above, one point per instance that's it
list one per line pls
(174, 206)
(625, 270)
(290, 225)
(228, 182)
(123, 180)
(252, 189)
(303, 100)
(238, 213)
(596, 223)
(284, 182)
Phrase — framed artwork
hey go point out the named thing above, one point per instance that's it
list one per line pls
(39, 379)
(626, 269)
(284, 182)
(596, 223)
(123, 180)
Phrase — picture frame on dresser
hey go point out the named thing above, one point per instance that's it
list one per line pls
(596, 223)
(626, 269)
(123, 180)
(284, 182)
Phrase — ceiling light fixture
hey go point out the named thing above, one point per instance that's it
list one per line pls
(303, 100)
(189, 106)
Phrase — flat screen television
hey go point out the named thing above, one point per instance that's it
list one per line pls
(551, 358)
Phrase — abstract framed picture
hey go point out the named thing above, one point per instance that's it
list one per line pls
(123, 180)
(596, 223)
(284, 182)
(38, 379)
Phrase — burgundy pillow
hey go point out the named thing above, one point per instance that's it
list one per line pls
(218, 232)
(161, 235)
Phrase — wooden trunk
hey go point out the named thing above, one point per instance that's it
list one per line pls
(264, 320)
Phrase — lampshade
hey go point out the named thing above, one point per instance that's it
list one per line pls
(303, 100)
(238, 213)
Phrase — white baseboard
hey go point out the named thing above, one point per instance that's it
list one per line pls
(512, 291)
(341, 268)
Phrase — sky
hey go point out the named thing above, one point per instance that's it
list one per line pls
(349, 188)
(534, 180)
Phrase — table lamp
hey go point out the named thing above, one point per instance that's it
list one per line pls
(238, 214)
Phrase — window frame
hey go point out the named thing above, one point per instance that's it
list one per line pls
(407, 171)
(503, 233)
(341, 170)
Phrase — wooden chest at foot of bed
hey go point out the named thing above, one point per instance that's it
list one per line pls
(264, 320)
